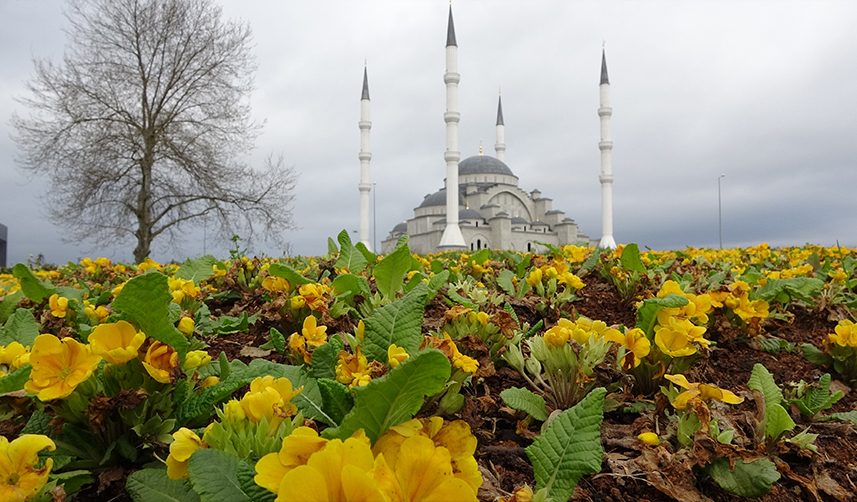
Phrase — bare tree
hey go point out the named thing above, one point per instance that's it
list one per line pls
(145, 126)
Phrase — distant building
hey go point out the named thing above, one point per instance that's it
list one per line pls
(4, 232)
(488, 210)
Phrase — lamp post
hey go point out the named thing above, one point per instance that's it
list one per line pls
(374, 218)
(720, 210)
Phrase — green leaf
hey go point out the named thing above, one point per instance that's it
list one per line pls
(248, 485)
(435, 283)
(278, 340)
(145, 300)
(570, 447)
(371, 258)
(777, 421)
(21, 327)
(213, 474)
(153, 485)
(504, 280)
(197, 270)
(337, 398)
(395, 397)
(349, 256)
(630, 259)
(804, 288)
(647, 314)
(15, 380)
(399, 323)
(331, 246)
(457, 298)
(352, 285)
(480, 256)
(843, 416)
(325, 357)
(9, 304)
(34, 289)
(752, 479)
(526, 400)
(390, 272)
(288, 273)
(815, 356)
(39, 423)
(816, 400)
(762, 380)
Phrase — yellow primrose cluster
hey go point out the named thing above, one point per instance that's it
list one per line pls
(461, 361)
(182, 288)
(679, 337)
(576, 254)
(737, 298)
(635, 342)
(93, 267)
(8, 284)
(353, 369)
(12, 357)
(20, 478)
(59, 305)
(269, 398)
(804, 270)
(845, 334)
(554, 270)
(700, 391)
(149, 264)
(276, 284)
(415, 461)
(312, 296)
(697, 309)
(310, 338)
(95, 314)
(582, 331)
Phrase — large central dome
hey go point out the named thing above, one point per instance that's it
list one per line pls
(483, 164)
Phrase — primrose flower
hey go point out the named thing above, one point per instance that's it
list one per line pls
(353, 370)
(637, 344)
(649, 438)
(297, 302)
(186, 326)
(270, 398)
(59, 305)
(535, 277)
(361, 329)
(196, 359)
(845, 334)
(160, 361)
(700, 391)
(185, 443)
(465, 363)
(557, 336)
(314, 334)
(20, 480)
(748, 310)
(276, 284)
(116, 342)
(59, 366)
(395, 355)
(838, 276)
(313, 295)
(13, 357)
(297, 448)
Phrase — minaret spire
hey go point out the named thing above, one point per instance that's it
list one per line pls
(500, 145)
(365, 186)
(606, 147)
(452, 239)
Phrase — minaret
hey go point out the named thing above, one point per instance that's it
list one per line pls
(452, 238)
(365, 185)
(500, 146)
(606, 146)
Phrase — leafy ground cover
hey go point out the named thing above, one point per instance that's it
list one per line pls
(622, 375)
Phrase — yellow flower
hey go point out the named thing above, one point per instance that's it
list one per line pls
(209, 381)
(340, 472)
(535, 277)
(116, 342)
(297, 302)
(465, 363)
(59, 366)
(314, 334)
(149, 264)
(233, 411)
(838, 276)
(270, 398)
(637, 344)
(700, 391)
(557, 336)
(276, 284)
(196, 359)
(20, 480)
(59, 305)
(845, 334)
(423, 472)
(395, 355)
(185, 443)
(649, 438)
(297, 448)
(160, 361)
(186, 326)
(13, 357)
(361, 328)
(313, 295)
(353, 370)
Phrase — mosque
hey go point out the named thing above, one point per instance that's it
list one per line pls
(488, 209)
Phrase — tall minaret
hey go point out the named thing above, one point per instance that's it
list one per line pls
(365, 185)
(606, 146)
(500, 146)
(452, 237)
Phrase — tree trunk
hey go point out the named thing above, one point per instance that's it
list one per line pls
(144, 205)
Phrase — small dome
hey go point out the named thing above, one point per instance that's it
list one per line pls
(436, 199)
(469, 214)
(483, 164)
(538, 223)
(400, 228)
(519, 220)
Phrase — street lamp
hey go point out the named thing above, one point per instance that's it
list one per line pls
(374, 218)
(720, 209)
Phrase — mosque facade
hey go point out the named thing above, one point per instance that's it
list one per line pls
(488, 209)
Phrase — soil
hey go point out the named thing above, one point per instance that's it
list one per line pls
(631, 470)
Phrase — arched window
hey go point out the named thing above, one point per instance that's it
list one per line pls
(477, 224)
(478, 243)
(529, 247)
(471, 246)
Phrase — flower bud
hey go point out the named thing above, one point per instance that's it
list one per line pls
(186, 326)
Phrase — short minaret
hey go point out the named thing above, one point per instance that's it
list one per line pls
(606, 146)
(365, 185)
(452, 238)
(500, 146)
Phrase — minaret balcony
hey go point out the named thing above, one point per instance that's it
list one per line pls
(605, 111)
(451, 78)
(452, 117)
(605, 145)
(364, 156)
(364, 187)
(451, 156)
(365, 124)
(605, 178)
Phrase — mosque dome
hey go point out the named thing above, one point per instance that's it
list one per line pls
(436, 199)
(483, 164)
(400, 228)
(469, 214)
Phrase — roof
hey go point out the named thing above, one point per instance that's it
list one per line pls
(538, 223)
(518, 219)
(483, 164)
(499, 111)
(604, 79)
(469, 214)
(401, 227)
(365, 84)
(450, 30)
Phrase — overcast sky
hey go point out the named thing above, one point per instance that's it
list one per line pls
(763, 92)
